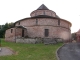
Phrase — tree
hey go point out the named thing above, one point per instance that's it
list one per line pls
(3, 29)
(11, 25)
(74, 36)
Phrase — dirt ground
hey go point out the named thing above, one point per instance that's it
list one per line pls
(5, 51)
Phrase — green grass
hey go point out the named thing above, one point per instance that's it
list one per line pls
(31, 51)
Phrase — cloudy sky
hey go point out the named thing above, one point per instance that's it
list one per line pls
(14, 10)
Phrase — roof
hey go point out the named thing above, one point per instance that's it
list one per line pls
(20, 27)
(57, 16)
(42, 7)
(42, 16)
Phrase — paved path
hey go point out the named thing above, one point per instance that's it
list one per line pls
(70, 51)
(5, 51)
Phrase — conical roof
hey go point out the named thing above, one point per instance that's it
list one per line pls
(42, 7)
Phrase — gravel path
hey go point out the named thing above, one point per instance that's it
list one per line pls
(70, 51)
(5, 51)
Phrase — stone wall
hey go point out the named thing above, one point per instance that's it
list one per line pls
(10, 36)
(37, 30)
(10, 39)
(43, 22)
(28, 40)
(43, 12)
(39, 40)
(64, 24)
(16, 33)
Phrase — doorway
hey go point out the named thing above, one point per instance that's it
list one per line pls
(22, 32)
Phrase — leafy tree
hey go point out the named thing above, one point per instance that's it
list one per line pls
(74, 36)
(3, 29)
(11, 25)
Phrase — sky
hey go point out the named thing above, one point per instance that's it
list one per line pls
(14, 10)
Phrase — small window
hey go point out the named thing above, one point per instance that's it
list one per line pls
(11, 30)
(46, 32)
(58, 22)
(44, 12)
(19, 23)
(36, 21)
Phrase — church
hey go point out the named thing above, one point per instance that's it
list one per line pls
(43, 23)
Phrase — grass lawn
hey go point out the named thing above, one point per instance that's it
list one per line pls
(31, 51)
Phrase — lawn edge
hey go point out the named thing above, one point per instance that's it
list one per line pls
(57, 52)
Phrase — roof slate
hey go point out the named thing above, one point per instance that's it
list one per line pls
(42, 7)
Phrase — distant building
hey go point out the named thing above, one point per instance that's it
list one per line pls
(78, 36)
(43, 23)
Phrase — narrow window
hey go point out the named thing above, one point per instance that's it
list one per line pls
(58, 22)
(11, 30)
(46, 32)
(51, 14)
(36, 21)
(35, 14)
(19, 23)
(44, 12)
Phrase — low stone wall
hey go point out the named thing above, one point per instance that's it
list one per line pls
(49, 41)
(28, 40)
(52, 40)
(35, 40)
(38, 40)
